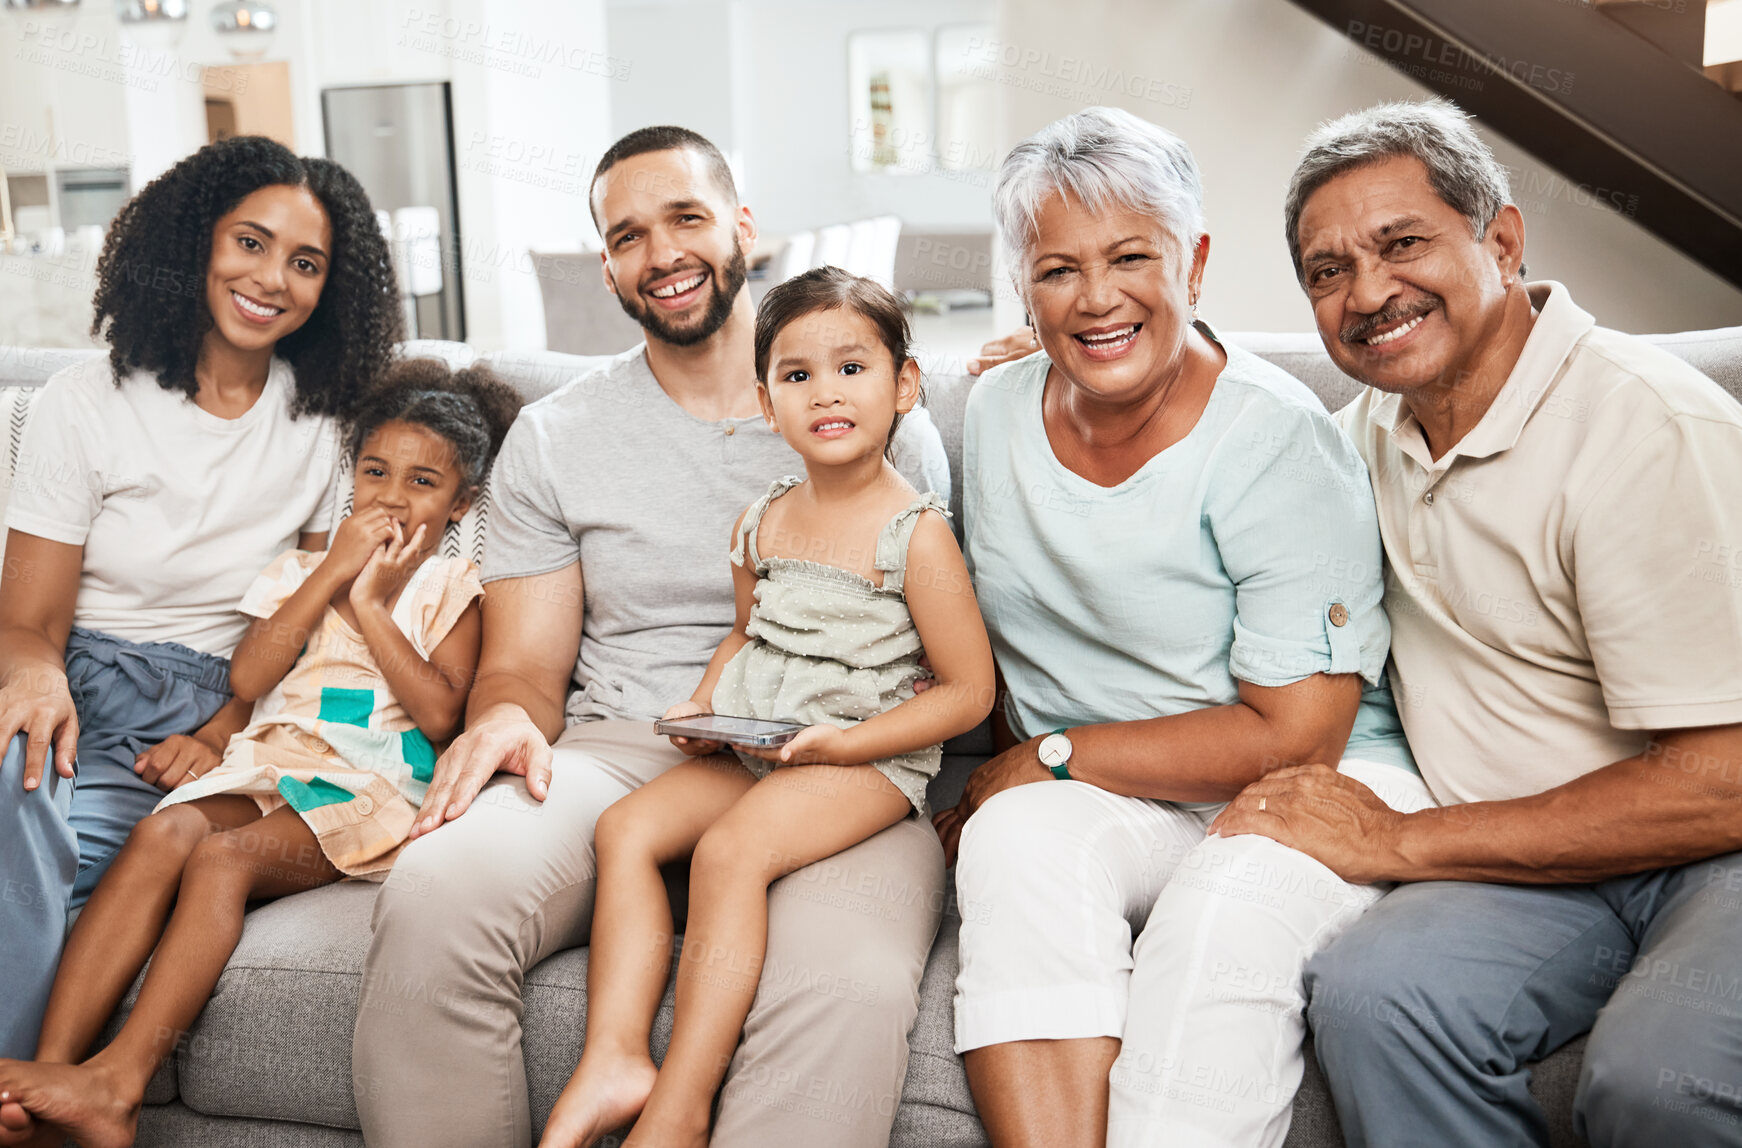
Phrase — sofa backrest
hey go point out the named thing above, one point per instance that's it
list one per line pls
(1718, 353)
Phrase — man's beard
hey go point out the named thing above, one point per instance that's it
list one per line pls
(722, 296)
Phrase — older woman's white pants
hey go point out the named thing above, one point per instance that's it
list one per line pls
(1053, 879)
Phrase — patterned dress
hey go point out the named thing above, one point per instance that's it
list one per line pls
(331, 740)
(829, 646)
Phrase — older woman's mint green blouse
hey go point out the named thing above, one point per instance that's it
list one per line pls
(1247, 551)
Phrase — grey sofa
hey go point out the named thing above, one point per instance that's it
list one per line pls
(269, 1061)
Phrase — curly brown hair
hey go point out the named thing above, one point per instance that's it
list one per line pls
(151, 298)
(471, 408)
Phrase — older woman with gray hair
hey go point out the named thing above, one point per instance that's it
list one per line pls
(1178, 560)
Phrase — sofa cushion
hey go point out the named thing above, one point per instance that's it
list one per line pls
(178, 1126)
(535, 374)
(1303, 356)
(274, 1042)
(936, 1106)
(32, 366)
(1716, 353)
(15, 405)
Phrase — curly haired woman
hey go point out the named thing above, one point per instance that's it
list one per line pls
(247, 298)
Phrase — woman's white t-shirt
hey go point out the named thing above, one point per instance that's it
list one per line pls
(178, 510)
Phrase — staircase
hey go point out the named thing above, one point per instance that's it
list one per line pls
(1638, 103)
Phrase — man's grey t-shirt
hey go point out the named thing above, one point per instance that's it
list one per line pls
(610, 471)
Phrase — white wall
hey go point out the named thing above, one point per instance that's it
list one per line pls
(52, 111)
(681, 65)
(118, 94)
(766, 80)
(531, 98)
(530, 119)
(1243, 81)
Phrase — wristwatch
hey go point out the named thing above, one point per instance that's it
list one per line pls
(1055, 753)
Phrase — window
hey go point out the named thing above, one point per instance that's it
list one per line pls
(920, 101)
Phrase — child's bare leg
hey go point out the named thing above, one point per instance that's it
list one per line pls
(97, 1103)
(115, 934)
(124, 920)
(630, 949)
(796, 815)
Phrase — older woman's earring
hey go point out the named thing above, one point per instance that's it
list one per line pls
(1033, 335)
(1195, 311)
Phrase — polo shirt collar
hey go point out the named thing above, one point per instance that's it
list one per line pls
(1560, 324)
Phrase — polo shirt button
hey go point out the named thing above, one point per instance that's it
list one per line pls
(1339, 614)
(731, 430)
(1428, 498)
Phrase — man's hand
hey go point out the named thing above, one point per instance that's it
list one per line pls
(509, 743)
(38, 705)
(1019, 765)
(695, 747)
(1016, 345)
(176, 760)
(1331, 818)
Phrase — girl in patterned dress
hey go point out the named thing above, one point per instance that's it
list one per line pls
(844, 580)
(358, 662)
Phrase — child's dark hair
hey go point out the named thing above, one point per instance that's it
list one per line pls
(471, 408)
(831, 289)
(151, 278)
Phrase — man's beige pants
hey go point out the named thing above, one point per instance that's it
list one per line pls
(475, 904)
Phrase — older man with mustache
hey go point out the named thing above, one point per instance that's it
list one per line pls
(1554, 500)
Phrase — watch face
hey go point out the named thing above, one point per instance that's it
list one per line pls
(1055, 749)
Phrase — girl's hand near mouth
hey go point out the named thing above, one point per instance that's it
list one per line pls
(389, 568)
(356, 541)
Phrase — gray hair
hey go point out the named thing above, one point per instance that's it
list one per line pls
(1460, 167)
(1107, 158)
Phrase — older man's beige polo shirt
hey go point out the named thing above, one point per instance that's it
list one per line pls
(1569, 575)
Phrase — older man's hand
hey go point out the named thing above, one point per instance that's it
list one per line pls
(1020, 343)
(1018, 765)
(1332, 818)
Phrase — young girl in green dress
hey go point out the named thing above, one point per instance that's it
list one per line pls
(844, 580)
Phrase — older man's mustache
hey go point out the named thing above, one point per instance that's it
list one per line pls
(1401, 311)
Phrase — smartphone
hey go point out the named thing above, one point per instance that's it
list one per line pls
(732, 730)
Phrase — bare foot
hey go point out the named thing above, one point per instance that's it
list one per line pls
(652, 1132)
(14, 1121)
(605, 1093)
(87, 1102)
(666, 1123)
(17, 1129)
